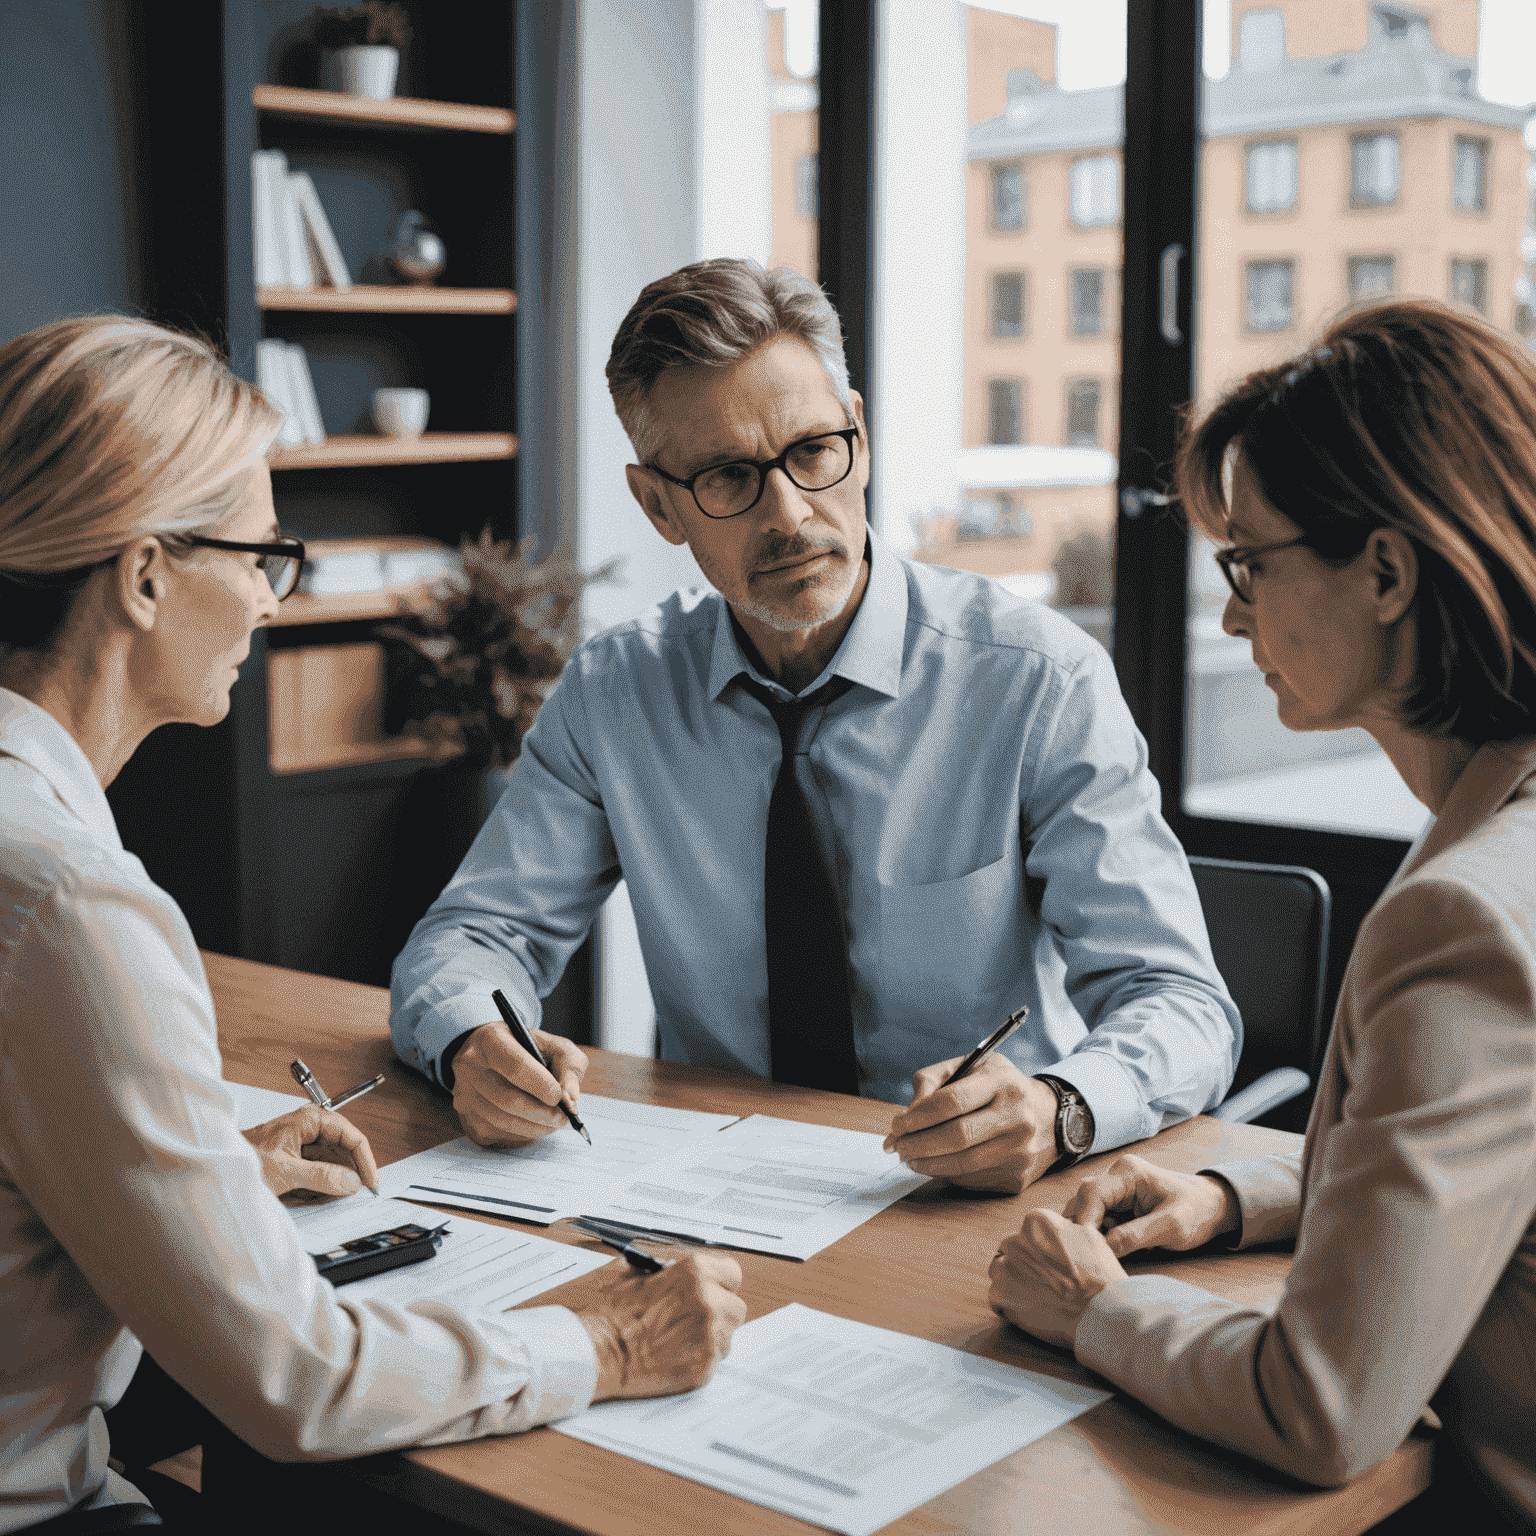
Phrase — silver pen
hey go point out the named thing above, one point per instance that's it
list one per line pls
(311, 1085)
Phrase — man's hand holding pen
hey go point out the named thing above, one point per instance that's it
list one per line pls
(504, 1098)
(315, 1149)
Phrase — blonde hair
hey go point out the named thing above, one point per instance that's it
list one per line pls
(112, 428)
(714, 313)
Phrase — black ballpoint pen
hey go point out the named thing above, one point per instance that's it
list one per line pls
(529, 1044)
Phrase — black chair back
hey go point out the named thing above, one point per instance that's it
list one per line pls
(1269, 933)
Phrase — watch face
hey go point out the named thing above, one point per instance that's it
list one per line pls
(1074, 1129)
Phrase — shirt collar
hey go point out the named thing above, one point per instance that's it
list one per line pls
(32, 736)
(872, 649)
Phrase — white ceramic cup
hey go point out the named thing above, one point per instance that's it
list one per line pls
(401, 412)
(366, 70)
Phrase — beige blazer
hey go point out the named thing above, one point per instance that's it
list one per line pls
(1411, 1202)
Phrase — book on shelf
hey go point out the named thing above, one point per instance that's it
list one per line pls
(268, 247)
(304, 398)
(333, 567)
(275, 382)
(295, 242)
(322, 238)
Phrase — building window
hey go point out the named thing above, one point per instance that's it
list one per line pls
(1009, 205)
(1272, 176)
(992, 517)
(1261, 41)
(1374, 170)
(805, 185)
(1469, 284)
(1087, 301)
(1007, 303)
(1083, 413)
(1371, 277)
(1096, 191)
(1469, 175)
(1005, 411)
(1269, 295)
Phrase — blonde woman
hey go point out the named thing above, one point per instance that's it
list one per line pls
(1377, 501)
(138, 552)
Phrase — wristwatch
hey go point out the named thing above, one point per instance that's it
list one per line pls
(1074, 1122)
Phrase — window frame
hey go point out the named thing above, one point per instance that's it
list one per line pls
(1071, 386)
(1278, 212)
(1480, 265)
(1087, 269)
(995, 169)
(1358, 203)
(1484, 146)
(994, 281)
(1020, 408)
(1246, 292)
(1353, 264)
(1097, 157)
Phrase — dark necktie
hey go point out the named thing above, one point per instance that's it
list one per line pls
(810, 1021)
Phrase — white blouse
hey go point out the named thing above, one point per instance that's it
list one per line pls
(132, 1211)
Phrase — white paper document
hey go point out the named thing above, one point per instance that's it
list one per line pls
(772, 1186)
(838, 1423)
(255, 1106)
(476, 1267)
(559, 1174)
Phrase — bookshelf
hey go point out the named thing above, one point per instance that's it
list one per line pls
(296, 832)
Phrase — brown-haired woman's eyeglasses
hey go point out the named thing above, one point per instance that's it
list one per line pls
(282, 558)
(1234, 564)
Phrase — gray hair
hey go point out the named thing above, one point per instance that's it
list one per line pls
(711, 314)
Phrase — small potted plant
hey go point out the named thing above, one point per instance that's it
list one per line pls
(364, 42)
(468, 671)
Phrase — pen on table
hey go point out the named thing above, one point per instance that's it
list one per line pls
(986, 1048)
(310, 1084)
(529, 1044)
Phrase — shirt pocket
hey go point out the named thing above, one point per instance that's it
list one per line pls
(957, 948)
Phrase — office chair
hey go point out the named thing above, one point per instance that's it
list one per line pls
(1269, 934)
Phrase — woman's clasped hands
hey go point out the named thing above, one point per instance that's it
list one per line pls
(1047, 1273)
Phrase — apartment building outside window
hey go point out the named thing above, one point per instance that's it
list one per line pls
(1087, 301)
(1469, 283)
(1083, 396)
(1375, 170)
(1095, 194)
(1469, 175)
(1007, 303)
(1268, 287)
(1371, 277)
(1272, 176)
(805, 185)
(1005, 411)
(1010, 206)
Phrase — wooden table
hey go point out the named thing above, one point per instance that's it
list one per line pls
(919, 1267)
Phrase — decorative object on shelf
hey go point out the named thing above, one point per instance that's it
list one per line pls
(365, 43)
(416, 253)
(401, 412)
(469, 670)
(338, 567)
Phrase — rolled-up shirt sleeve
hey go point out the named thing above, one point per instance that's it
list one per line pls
(1119, 901)
(520, 903)
(120, 1133)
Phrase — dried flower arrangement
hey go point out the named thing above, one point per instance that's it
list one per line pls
(469, 671)
(372, 24)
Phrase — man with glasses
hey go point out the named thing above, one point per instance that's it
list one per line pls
(866, 808)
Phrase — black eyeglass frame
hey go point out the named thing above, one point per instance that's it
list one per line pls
(850, 435)
(288, 546)
(1241, 554)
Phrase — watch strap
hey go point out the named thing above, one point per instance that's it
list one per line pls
(1066, 1096)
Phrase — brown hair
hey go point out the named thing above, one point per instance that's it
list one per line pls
(110, 428)
(714, 313)
(1416, 416)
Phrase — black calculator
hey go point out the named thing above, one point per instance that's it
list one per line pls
(379, 1251)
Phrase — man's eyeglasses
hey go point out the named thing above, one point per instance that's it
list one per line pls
(1234, 564)
(282, 558)
(727, 490)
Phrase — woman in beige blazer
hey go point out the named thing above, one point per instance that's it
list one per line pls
(1378, 496)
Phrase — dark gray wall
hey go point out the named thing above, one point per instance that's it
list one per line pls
(72, 214)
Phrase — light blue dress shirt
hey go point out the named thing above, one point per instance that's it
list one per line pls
(992, 825)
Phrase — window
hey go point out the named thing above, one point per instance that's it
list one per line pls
(1469, 283)
(1399, 23)
(1083, 413)
(1005, 411)
(1009, 204)
(1469, 175)
(1007, 303)
(1374, 170)
(805, 185)
(1095, 195)
(1371, 277)
(1271, 176)
(1261, 41)
(1087, 301)
(1269, 295)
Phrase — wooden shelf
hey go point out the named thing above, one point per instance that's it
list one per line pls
(348, 607)
(382, 299)
(357, 754)
(397, 112)
(357, 450)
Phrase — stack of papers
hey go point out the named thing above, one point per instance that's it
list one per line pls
(836, 1422)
